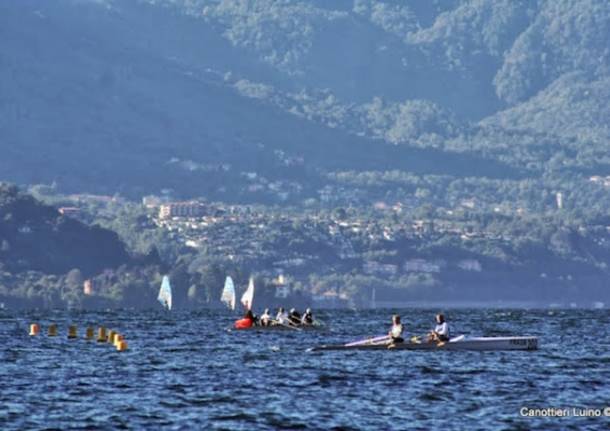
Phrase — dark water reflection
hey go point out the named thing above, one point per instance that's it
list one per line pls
(186, 371)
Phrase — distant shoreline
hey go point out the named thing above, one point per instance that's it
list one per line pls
(418, 305)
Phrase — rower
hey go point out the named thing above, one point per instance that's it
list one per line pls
(265, 318)
(395, 333)
(307, 318)
(441, 332)
(294, 318)
(282, 316)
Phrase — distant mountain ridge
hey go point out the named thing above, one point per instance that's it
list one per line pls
(143, 95)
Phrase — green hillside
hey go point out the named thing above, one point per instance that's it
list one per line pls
(193, 97)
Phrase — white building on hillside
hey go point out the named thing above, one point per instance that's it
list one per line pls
(470, 265)
(422, 265)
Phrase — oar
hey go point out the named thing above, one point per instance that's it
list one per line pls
(291, 327)
(286, 325)
(368, 341)
(318, 323)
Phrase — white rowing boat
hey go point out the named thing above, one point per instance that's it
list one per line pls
(457, 343)
(276, 326)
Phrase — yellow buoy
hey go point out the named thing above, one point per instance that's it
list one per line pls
(52, 330)
(34, 329)
(89, 333)
(121, 346)
(72, 331)
(101, 334)
(111, 336)
(117, 339)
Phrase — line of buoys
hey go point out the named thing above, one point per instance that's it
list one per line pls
(110, 337)
(34, 329)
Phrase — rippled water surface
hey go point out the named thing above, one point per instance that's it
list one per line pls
(186, 371)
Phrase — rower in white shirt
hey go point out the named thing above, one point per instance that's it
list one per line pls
(395, 334)
(282, 317)
(265, 318)
(441, 332)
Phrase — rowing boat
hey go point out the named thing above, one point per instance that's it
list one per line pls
(280, 327)
(457, 343)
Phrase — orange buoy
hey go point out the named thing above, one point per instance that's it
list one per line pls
(52, 330)
(111, 335)
(101, 334)
(34, 329)
(72, 331)
(89, 333)
(121, 346)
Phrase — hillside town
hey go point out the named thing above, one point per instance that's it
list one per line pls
(244, 233)
(385, 247)
(367, 255)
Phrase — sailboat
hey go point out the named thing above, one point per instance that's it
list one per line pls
(165, 293)
(248, 296)
(228, 293)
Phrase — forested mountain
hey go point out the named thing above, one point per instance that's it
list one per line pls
(198, 96)
(45, 258)
(34, 236)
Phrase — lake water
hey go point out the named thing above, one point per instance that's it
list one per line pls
(186, 371)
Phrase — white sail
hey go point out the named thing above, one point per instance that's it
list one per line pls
(165, 293)
(228, 293)
(248, 296)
